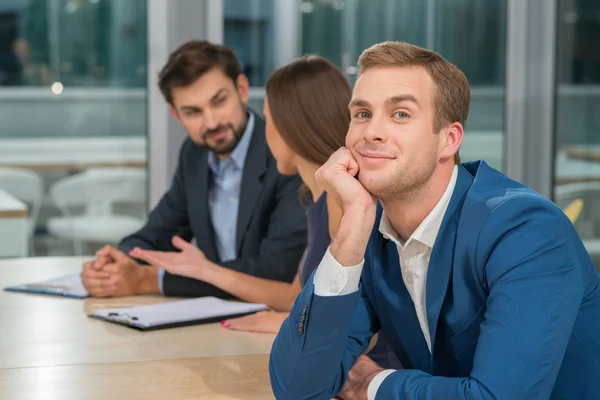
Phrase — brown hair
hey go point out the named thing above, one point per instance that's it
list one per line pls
(452, 92)
(193, 59)
(308, 102)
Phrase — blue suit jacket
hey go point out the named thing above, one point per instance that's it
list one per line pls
(513, 305)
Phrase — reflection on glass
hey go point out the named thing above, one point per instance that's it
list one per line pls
(469, 33)
(79, 42)
(249, 31)
(73, 106)
(577, 166)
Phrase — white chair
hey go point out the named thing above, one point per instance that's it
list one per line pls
(28, 187)
(96, 191)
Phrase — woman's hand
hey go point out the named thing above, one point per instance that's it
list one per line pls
(190, 261)
(261, 322)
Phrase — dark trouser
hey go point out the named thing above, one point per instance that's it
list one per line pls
(383, 354)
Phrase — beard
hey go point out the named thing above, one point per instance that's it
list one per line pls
(228, 143)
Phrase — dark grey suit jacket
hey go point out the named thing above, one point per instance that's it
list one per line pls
(271, 226)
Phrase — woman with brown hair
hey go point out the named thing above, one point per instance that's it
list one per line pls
(306, 114)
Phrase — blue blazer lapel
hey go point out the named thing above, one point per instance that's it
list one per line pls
(399, 307)
(441, 261)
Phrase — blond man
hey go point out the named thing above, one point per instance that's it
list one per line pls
(481, 286)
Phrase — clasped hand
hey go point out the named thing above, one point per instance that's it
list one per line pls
(111, 274)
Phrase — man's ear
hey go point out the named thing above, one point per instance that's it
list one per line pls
(452, 139)
(242, 86)
(175, 114)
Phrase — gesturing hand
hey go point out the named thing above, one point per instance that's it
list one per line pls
(189, 262)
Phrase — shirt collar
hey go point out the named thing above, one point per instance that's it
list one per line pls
(238, 156)
(427, 231)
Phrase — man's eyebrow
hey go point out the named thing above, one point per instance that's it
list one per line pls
(392, 100)
(220, 92)
(190, 108)
(198, 109)
(359, 103)
(402, 98)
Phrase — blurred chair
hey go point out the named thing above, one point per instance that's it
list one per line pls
(588, 221)
(28, 187)
(95, 193)
(573, 210)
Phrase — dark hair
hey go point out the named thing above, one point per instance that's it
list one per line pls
(193, 59)
(308, 102)
(452, 91)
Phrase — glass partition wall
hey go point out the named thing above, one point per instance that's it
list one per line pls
(73, 106)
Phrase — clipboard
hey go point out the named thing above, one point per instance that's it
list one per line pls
(174, 314)
(65, 286)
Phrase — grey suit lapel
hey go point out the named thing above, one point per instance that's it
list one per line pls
(254, 168)
(205, 231)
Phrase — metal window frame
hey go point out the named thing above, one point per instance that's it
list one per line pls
(170, 23)
(287, 31)
(530, 93)
(215, 21)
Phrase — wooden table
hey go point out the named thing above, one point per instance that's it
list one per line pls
(50, 349)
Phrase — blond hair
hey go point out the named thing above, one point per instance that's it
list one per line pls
(452, 91)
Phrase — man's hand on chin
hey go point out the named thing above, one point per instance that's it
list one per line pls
(338, 177)
(359, 377)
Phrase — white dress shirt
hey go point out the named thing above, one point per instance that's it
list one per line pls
(332, 279)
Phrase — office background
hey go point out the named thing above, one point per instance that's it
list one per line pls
(80, 108)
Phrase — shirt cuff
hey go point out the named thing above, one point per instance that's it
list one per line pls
(161, 275)
(332, 279)
(376, 382)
